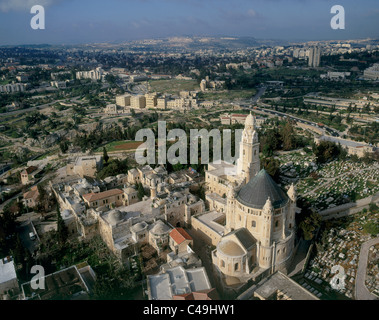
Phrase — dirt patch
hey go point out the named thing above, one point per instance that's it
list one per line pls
(128, 146)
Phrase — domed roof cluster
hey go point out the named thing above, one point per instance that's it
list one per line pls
(160, 228)
(139, 226)
(114, 216)
(256, 192)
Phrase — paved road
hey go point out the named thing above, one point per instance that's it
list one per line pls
(260, 92)
(361, 291)
(267, 108)
(29, 244)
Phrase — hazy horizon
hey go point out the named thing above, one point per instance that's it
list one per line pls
(83, 21)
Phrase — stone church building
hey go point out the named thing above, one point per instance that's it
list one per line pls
(258, 233)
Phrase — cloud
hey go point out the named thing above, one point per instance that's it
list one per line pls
(251, 13)
(239, 16)
(21, 5)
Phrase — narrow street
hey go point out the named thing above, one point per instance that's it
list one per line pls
(361, 291)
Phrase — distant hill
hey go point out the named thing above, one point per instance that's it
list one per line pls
(204, 43)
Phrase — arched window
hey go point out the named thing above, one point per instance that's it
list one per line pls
(253, 224)
(223, 263)
(290, 226)
(276, 224)
(236, 267)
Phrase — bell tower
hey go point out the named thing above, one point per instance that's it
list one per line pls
(248, 164)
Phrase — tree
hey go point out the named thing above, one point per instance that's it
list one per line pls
(105, 155)
(288, 136)
(373, 207)
(308, 220)
(326, 151)
(63, 146)
(62, 231)
(140, 190)
(271, 165)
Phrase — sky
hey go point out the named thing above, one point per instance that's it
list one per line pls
(91, 21)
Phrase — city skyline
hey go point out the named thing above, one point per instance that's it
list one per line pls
(75, 22)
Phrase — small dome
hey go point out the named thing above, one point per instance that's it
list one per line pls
(114, 216)
(160, 228)
(230, 248)
(139, 226)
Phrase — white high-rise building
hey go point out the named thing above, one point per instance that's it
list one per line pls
(314, 57)
(372, 73)
(92, 74)
(13, 87)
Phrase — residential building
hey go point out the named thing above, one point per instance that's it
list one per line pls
(8, 277)
(314, 56)
(11, 88)
(180, 240)
(151, 100)
(162, 103)
(110, 198)
(352, 147)
(31, 197)
(372, 73)
(228, 119)
(93, 75)
(277, 287)
(179, 283)
(123, 100)
(72, 283)
(138, 102)
(28, 174)
(86, 166)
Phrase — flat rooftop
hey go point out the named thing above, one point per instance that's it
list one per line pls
(7, 270)
(64, 284)
(178, 281)
(269, 288)
(210, 218)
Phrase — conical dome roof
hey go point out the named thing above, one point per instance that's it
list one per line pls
(250, 122)
(255, 193)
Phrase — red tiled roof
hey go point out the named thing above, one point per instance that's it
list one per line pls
(179, 235)
(32, 194)
(30, 169)
(210, 294)
(239, 115)
(101, 195)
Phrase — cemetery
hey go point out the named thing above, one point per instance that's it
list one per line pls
(331, 184)
(372, 276)
(338, 245)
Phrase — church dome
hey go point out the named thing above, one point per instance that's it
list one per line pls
(255, 193)
(230, 248)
